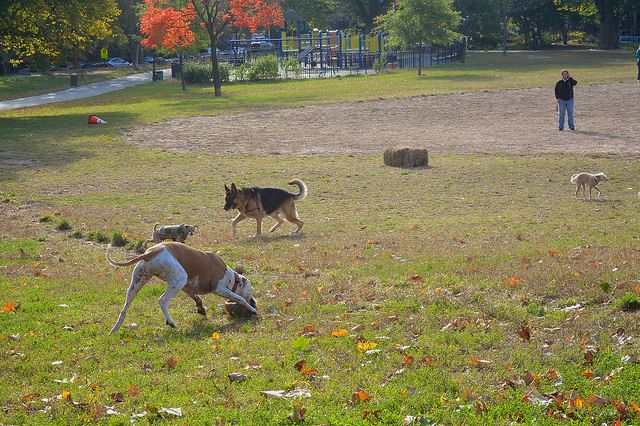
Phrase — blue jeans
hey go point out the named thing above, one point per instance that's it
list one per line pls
(568, 107)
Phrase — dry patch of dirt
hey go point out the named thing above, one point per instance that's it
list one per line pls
(510, 121)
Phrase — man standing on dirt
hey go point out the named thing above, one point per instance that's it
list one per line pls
(638, 62)
(564, 96)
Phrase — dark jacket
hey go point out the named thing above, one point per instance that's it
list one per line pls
(564, 89)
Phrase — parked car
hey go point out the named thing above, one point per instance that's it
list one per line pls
(626, 39)
(237, 55)
(93, 64)
(260, 42)
(118, 62)
(159, 60)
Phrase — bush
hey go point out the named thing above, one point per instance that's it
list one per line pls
(45, 219)
(242, 72)
(225, 73)
(197, 73)
(264, 68)
(76, 234)
(291, 65)
(118, 239)
(63, 225)
(629, 302)
(97, 236)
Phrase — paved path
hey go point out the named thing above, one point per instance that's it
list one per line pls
(87, 91)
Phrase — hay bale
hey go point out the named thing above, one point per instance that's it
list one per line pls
(406, 157)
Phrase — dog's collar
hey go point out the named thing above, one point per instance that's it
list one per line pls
(252, 210)
(236, 281)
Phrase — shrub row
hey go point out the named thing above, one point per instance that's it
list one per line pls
(116, 238)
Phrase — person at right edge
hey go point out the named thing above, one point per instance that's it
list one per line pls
(638, 62)
(564, 96)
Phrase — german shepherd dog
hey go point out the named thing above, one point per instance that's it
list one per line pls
(258, 202)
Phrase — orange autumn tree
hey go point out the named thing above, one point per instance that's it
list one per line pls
(217, 15)
(255, 14)
(169, 27)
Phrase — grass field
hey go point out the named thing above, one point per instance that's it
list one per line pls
(437, 275)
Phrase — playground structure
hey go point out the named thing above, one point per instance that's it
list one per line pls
(335, 52)
(317, 49)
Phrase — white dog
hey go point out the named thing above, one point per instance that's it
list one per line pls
(582, 180)
(184, 268)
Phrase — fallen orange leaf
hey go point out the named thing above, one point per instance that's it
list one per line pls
(429, 360)
(524, 332)
(310, 329)
(513, 281)
(215, 335)
(407, 360)
(417, 279)
(134, 391)
(171, 362)
(553, 253)
(9, 307)
(66, 396)
(361, 395)
(340, 333)
(588, 373)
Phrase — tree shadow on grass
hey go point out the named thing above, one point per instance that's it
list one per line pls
(48, 141)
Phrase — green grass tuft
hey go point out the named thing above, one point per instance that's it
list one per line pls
(77, 234)
(97, 236)
(63, 225)
(45, 219)
(118, 239)
(629, 302)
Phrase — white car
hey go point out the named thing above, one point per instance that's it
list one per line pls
(118, 62)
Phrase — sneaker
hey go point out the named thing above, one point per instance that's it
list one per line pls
(561, 129)
(572, 128)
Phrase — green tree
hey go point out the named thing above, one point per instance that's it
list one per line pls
(420, 22)
(609, 12)
(128, 25)
(480, 22)
(366, 11)
(43, 31)
(315, 12)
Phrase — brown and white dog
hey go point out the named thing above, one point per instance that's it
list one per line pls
(582, 180)
(258, 203)
(184, 268)
(177, 233)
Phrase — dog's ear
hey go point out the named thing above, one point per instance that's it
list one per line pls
(226, 188)
(233, 187)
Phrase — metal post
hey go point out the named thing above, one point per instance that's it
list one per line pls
(321, 56)
(299, 35)
(340, 49)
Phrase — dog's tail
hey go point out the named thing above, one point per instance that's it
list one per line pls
(145, 256)
(156, 226)
(303, 189)
(574, 178)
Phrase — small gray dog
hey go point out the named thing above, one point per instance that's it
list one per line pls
(582, 180)
(177, 233)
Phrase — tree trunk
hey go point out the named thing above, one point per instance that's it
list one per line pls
(134, 52)
(420, 59)
(634, 17)
(184, 87)
(217, 81)
(505, 33)
(608, 35)
(566, 29)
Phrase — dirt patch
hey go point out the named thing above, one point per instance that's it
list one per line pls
(510, 121)
(11, 161)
